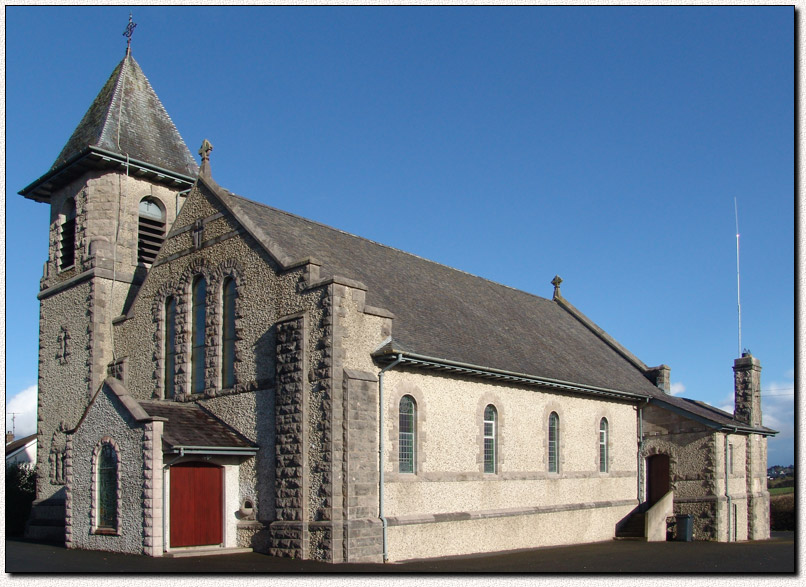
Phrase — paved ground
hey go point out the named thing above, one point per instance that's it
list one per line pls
(770, 556)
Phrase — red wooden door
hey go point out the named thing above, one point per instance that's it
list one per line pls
(196, 504)
(658, 477)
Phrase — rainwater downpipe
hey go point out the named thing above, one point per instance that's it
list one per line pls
(165, 468)
(381, 425)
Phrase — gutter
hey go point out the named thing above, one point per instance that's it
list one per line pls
(212, 450)
(491, 373)
(381, 425)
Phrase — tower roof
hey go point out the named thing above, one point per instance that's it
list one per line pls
(126, 123)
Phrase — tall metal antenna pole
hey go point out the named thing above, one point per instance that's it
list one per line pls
(14, 422)
(738, 291)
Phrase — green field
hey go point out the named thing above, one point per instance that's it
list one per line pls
(781, 490)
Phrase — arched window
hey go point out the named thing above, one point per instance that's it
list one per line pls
(490, 439)
(67, 236)
(408, 435)
(228, 335)
(554, 443)
(170, 346)
(199, 320)
(107, 488)
(150, 229)
(603, 445)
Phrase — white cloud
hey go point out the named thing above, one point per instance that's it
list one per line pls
(23, 404)
(677, 388)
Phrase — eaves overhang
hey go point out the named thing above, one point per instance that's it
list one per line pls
(94, 158)
(448, 366)
(714, 425)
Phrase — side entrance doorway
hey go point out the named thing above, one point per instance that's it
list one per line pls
(657, 478)
(197, 492)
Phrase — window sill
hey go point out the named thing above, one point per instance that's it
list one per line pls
(106, 532)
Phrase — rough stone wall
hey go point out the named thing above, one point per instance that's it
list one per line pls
(758, 498)
(694, 462)
(108, 419)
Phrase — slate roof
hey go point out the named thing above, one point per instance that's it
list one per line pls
(188, 424)
(128, 118)
(449, 314)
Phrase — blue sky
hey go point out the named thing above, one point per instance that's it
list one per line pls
(605, 145)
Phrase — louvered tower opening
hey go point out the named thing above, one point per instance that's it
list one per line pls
(150, 230)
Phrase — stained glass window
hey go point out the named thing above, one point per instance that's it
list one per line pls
(603, 445)
(408, 424)
(228, 342)
(554, 442)
(107, 487)
(490, 439)
(199, 322)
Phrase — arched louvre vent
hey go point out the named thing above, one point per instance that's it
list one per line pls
(150, 231)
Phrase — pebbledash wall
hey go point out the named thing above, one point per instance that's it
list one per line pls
(450, 506)
(79, 302)
(107, 421)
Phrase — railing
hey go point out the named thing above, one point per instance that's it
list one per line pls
(655, 520)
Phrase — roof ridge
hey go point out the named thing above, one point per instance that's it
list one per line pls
(116, 96)
(385, 246)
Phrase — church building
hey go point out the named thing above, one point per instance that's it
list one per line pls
(218, 374)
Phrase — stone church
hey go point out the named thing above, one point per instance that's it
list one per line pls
(218, 374)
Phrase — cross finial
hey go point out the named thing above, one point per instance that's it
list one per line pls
(128, 34)
(556, 283)
(204, 151)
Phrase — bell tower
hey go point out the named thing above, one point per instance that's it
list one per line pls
(114, 191)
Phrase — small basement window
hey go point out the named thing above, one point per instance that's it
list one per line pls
(150, 229)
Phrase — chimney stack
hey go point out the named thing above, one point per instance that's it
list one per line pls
(747, 387)
(9, 437)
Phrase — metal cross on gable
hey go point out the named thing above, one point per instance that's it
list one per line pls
(128, 33)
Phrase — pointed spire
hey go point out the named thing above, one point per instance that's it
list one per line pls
(128, 118)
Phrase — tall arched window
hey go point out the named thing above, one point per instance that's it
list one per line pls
(554, 443)
(408, 435)
(107, 488)
(67, 236)
(603, 445)
(228, 334)
(150, 229)
(170, 346)
(490, 439)
(199, 319)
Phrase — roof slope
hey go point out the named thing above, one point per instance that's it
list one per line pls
(128, 118)
(449, 314)
(189, 425)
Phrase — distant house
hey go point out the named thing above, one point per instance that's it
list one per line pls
(21, 451)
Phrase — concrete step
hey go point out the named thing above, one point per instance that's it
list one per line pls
(205, 551)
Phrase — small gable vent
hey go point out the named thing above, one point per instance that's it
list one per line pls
(150, 230)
